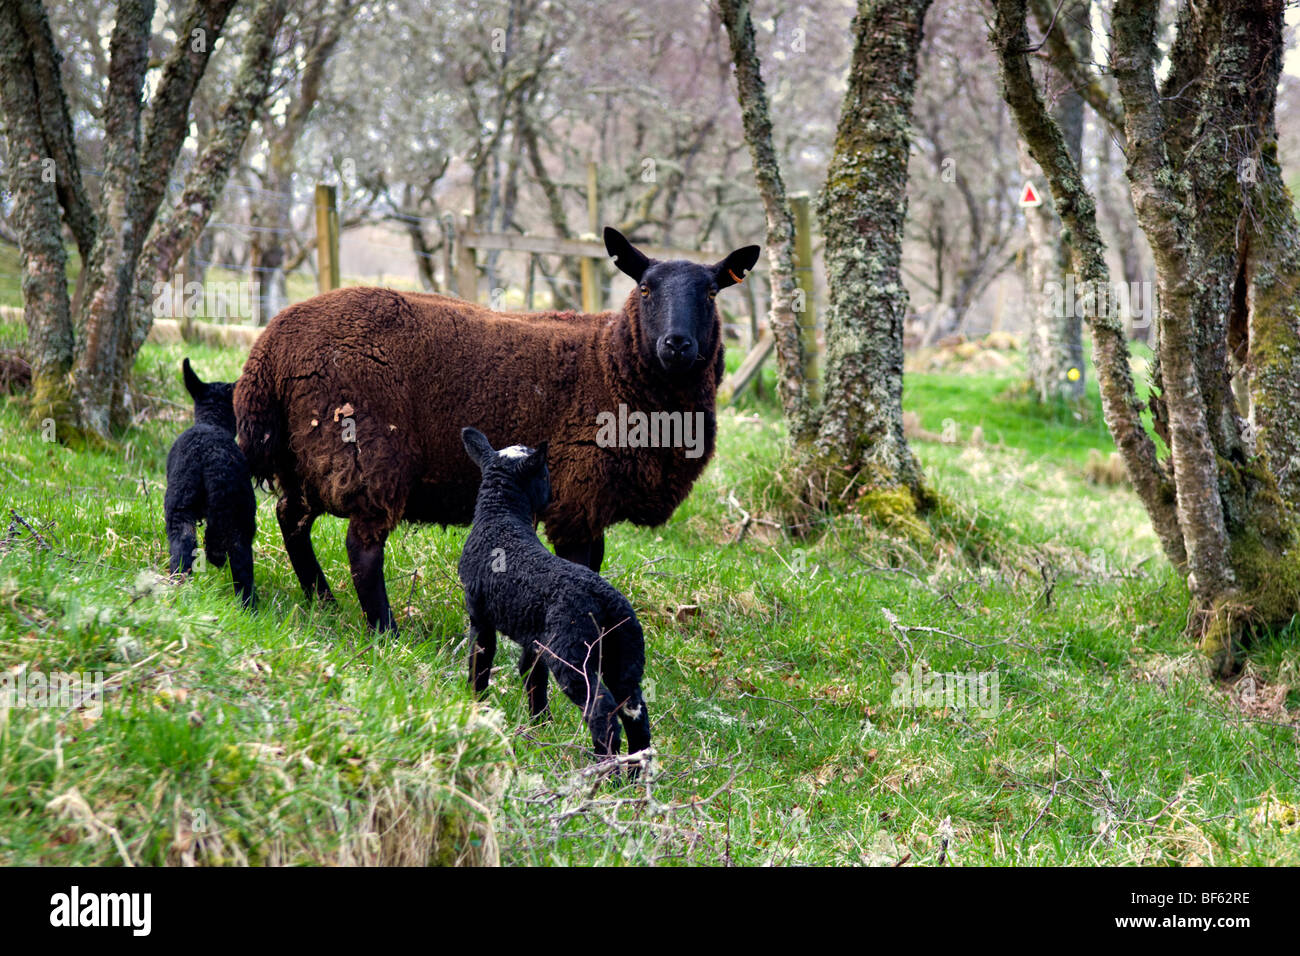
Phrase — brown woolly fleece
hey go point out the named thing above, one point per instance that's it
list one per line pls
(410, 370)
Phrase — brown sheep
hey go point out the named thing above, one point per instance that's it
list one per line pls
(354, 400)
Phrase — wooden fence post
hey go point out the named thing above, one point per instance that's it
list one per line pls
(448, 226)
(327, 238)
(466, 267)
(589, 268)
(801, 207)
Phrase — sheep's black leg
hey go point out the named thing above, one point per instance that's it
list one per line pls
(623, 677)
(215, 545)
(577, 553)
(182, 542)
(590, 554)
(636, 722)
(626, 688)
(580, 682)
(536, 683)
(241, 569)
(482, 652)
(295, 525)
(365, 543)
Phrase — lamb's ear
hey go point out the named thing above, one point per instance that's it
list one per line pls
(477, 446)
(732, 269)
(538, 458)
(193, 384)
(629, 259)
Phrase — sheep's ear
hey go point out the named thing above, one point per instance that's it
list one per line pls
(629, 259)
(193, 384)
(477, 446)
(538, 458)
(731, 270)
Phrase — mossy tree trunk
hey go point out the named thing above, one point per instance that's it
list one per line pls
(1208, 193)
(1054, 353)
(34, 185)
(783, 320)
(852, 441)
(176, 230)
(102, 311)
(82, 351)
(862, 208)
(1077, 210)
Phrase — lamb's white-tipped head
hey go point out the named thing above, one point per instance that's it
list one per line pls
(517, 465)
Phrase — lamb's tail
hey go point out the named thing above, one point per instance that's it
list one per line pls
(260, 422)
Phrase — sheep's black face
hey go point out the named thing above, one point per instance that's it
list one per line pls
(678, 317)
(679, 321)
(214, 402)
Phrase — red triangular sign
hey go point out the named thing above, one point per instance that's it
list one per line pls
(1029, 196)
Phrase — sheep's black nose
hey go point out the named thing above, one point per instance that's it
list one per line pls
(678, 343)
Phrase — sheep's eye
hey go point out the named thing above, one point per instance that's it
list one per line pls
(713, 293)
(644, 292)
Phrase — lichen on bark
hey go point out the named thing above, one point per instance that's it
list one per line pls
(862, 208)
(784, 321)
(82, 349)
(1227, 268)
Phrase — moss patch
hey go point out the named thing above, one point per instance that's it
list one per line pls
(1265, 558)
(52, 414)
(895, 509)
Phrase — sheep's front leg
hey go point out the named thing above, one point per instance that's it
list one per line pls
(182, 542)
(590, 553)
(241, 569)
(365, 543)
(580, 681)
(536, 683)
(482, 652)
(636, 723)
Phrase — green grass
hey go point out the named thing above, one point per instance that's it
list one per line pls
(11, 276)
(294, 737)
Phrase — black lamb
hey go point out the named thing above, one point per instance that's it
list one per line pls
(208, 479)
(567, 618)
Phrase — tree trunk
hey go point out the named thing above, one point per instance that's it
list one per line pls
(55, 119)
(783, 320)
(1077, 210)
(32, 182)
(1046, 306)
(560, 297)
(1055, 341)
(862, 209)
(423, 252)
(1116, 209)
(173, 234)
(82, 351)
(99, 319)
(1209, 196)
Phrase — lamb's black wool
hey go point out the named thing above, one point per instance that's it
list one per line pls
(568, 619)
(208, 478)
